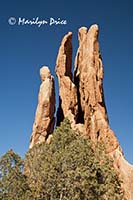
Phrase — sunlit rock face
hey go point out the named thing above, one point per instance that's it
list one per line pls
(44, 118)
(68, 105)
(81, 97)
(81, 100)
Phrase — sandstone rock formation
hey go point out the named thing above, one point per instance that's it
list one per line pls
(44, 119)
(88, 78)
(67, 91)
(81, 100)
(125, 171)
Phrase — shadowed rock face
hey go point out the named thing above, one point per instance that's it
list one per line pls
(44, 119)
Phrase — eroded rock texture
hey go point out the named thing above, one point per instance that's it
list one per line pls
(67, 90)
(44, 119)
(82, 99)
(125, 171)
(88, 79)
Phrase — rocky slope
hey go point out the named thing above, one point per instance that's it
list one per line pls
(81, 100)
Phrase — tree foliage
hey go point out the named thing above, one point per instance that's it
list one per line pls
(13, 185)
(71, 167)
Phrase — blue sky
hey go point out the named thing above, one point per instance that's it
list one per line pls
(24, 49)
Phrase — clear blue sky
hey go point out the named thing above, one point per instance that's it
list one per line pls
(24, 49)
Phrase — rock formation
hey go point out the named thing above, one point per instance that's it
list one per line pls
(44, 119)
(68, 106)
(81, 100)
(88, 78)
